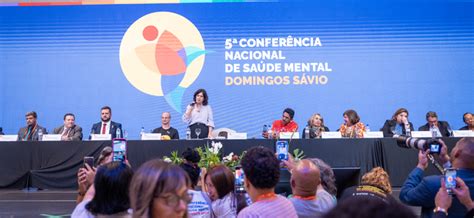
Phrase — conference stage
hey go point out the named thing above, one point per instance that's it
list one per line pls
(53, 165)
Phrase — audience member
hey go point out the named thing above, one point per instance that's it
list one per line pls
(469, 121)
(305, 178)
(86, 174)
(374, 184)
(352, 127)
(327, 189)
(286, 124)
(316, 126)
(199, 115)
(420, 191)
(369, 207)
(105, 156)
(159, 189)
(200, 205)
(220, 184)
(106, 125)
(441, 128)
(262, 172)
(443, 200)
(30, 131)
(398, 125)
(69, 130)
(108, 197)
(167, 132)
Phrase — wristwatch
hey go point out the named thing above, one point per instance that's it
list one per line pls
(440, 209)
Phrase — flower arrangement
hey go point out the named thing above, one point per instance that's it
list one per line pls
(174, 158)
(211, 156)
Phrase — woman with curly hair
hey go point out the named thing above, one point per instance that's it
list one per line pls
(374, 184)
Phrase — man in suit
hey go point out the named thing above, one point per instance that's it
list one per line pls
(30, 131)
(106, 126)
(69, 131)
(442, 128)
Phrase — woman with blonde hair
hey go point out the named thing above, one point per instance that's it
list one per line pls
(315, 126)
(159, 189)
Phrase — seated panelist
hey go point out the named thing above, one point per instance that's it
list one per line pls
(398, 125)
(69, 130)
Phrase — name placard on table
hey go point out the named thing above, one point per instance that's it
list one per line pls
(331, 135)
(101, 137)
(8, 138)
(463, 133)
(52, 137)
(237, 135)
(289, 135)
(373, 134)
(151, 136)
(421, 134)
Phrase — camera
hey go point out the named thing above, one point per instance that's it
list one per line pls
(433, 145)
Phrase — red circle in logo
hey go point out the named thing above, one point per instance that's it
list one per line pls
(150, 33)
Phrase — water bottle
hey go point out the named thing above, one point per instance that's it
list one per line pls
(118, 133)
(40, 134)
(125, 134)
(407, 129)
(264, 130)
(188, 133)
(367, 128)
(433, 132)
(306, 132)
(142, 132)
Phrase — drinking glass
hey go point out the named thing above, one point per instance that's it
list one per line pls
(198, 132)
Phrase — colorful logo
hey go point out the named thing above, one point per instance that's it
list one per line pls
(162, 54)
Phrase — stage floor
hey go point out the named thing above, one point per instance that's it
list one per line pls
(57, 203)
(44, 203)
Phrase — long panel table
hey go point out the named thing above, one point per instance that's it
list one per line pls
(53, 165)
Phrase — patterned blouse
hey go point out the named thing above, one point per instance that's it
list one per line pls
(355, 131)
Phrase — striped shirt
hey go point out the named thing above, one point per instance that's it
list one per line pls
(278, 207)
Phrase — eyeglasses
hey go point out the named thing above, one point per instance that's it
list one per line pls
(172, 200)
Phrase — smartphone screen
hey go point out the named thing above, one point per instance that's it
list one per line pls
(450, 179)
(88, 160)
(239, 181)
(119, 149)
(282, 150)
